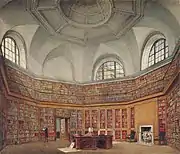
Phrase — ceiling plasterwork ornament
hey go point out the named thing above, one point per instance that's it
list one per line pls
(86, 21)
(85, 13)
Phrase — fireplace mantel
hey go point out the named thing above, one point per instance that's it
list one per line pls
(146, 135)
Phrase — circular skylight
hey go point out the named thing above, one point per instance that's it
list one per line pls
(87, 13)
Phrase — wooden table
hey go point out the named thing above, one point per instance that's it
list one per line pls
(86, 142)
(104, 141)
(93, 142)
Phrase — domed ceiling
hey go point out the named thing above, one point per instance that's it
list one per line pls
(86, 13)
(86, 21)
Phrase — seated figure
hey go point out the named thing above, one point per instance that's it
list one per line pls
(90, 132)
(131, 137)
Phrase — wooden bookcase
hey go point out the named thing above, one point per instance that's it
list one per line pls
(109, 118)
(94, 119)
(2, 128)
(47, 119)
(124, 118)
(87, 119)
(117, 118)
(132, 117)
(102, 119)
(79, 121)
(12, 122)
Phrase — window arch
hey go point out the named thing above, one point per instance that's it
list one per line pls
(13, 49)
(159, 51)
(154, 50)
(109, 70)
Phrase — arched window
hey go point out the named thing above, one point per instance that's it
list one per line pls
(109, 70)
(13, 49)
(154, 50)
(159, 51)
(10, 50)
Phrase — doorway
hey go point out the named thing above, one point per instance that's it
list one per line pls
(62, 128)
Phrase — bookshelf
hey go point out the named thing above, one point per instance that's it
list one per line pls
(73, 122)
(124, 118)
(12, 122)
(102, 119)
(2, 128)
(87, 119)
(132, 120)
(117, 118)
(109, 118)
(79, 120)
(94, 119)
(47, 119)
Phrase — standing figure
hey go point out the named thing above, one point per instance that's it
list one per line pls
(45, 129)
(162, 135)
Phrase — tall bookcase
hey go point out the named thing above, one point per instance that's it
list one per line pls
(2, 128)
(47, 119)
(124, 124)
(162, 114)
(94, 118)
(12, 122)
(132, 118)
(73, 122)
(102, 119)
(79, 121)
(117, 124)
(109, 119)
(76, 122)
(87, 119)
(27, 123)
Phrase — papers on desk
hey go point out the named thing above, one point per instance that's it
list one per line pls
(72, 145)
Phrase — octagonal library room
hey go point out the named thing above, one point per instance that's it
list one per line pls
(90, 76)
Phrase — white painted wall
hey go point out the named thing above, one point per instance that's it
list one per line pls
(58, 68)
(50, 56)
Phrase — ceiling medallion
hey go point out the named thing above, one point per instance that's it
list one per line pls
(86, 13)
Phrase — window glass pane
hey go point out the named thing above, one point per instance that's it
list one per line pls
(12, 43)
(6, 45)
(111, 67)
(167, 50)
(162, 52)
(2, 48)
(118, 67)
(110, 70)
(13, 49)
(152, 52)
(17, 59)
(10, 51)
(166, 55)
(156, 60)
(8, 40)
(160, 48)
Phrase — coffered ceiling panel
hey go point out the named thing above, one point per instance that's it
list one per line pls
(86, 20)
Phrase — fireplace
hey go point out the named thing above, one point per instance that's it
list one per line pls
(146, 135)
